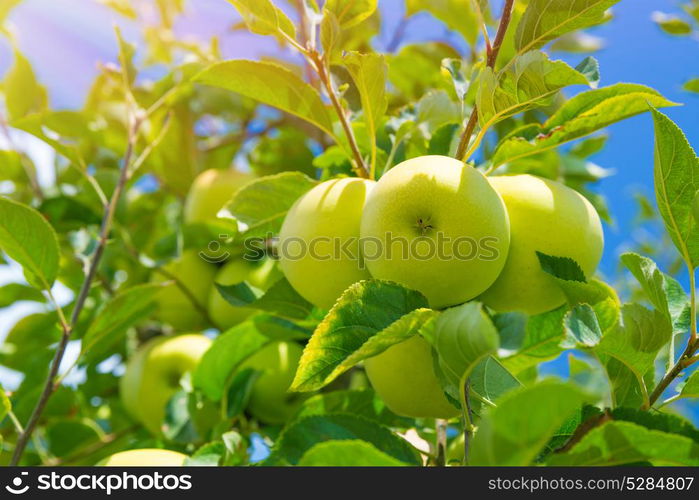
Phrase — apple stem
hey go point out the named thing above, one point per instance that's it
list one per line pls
(491, 58)
(67, 326)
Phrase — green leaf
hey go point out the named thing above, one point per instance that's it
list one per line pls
(664, 292)
(351, 12)
(490, 380)
(589, 67)
(363, 403)
(117, 316)
(584, 114)
(264, 18)
(17, 292)
(369, 72)
(619, 443)
(635, 345)
(690, 389)
(280, 299)
(544, 20)
(368, 318)
(349, 453)
(27, 238)
(672, 25)
(515, 431)
(216, 368)
(5, 405)
(270, 84)
(582, 327)
(23, 94)
(263, 203)
(458, 15)
(571, 279)
(691, 85)
(463, 337)
(209, 455)
(676, 182)
(541, 338)
(65, 436)
(532, 80)
(664, 422)
(302, 434)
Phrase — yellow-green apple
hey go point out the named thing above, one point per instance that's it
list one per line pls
(153, 375)
(210, 192)
(259, 275)
(434, 224)
(403, 376)
(319, 240)
(270, 401)
(548, 217)
(175, 307)
(145, 457)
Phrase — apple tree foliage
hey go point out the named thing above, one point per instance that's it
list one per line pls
(338, 102)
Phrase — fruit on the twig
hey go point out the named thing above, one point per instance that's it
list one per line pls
(548, 217)
(153, 375)
(440, 229)
(403, 376)
(270, 400)
(210, 192)
(145, 457)
(178, 308)
(319, 240)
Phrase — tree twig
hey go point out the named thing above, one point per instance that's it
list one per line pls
(491, 58)
(324, 75)
(67, 326)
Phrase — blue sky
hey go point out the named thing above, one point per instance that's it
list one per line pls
(65, 40)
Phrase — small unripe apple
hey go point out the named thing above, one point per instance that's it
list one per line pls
(442, 229)
(259, 275)
(153, 375)
(270, 401)
(145, 457)
(403, 376)
(174, 306)
(551, 218)
(210, 192)
(313, 238)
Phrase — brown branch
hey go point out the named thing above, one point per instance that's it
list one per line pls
(685, 360)
(583, 429)
(491, 58)
(67, 327)
(324, 75)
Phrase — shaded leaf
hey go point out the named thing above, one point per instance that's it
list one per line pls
(27, 238)
(270, 84)
(348, 453)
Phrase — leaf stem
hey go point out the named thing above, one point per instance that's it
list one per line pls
(468, 420)
(67, 327)
(491, 58)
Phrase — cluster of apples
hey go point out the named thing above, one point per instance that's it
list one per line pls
(153, 373)
(416, 203)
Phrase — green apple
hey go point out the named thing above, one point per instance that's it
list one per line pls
(260, 275)
(438, 227)
(321, 224)
(145, 457)
(270, 401)
(153, 375)
(548, 217)
(174, 306)
(210, 192)
(403, 376)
